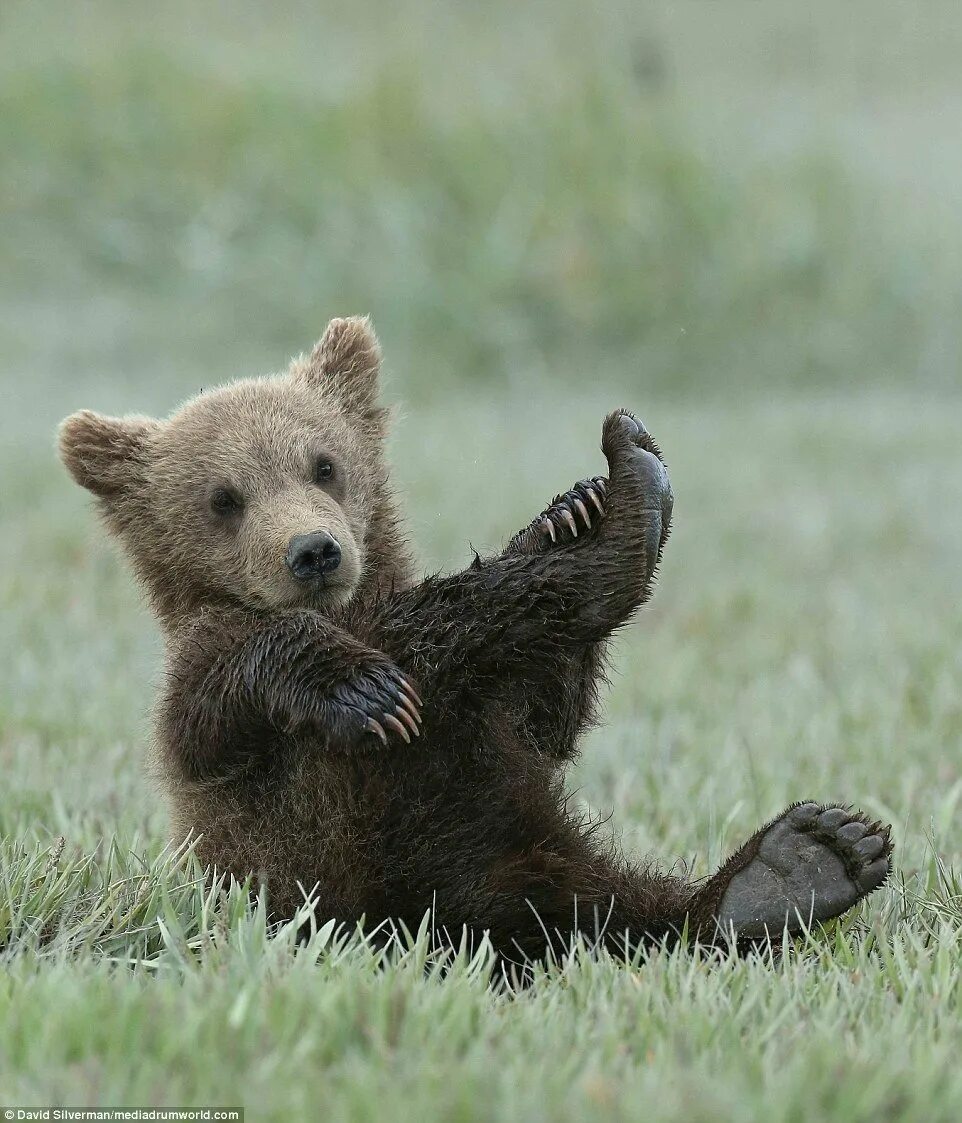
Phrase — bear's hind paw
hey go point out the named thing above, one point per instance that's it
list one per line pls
(811, 864)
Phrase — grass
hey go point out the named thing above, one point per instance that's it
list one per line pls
(539, 240)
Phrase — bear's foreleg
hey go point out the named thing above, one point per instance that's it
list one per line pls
(232, 678)
(522, 611)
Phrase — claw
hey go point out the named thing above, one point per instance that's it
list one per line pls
(601, 484)
(405, 702)
(593, 496)
(409, 689)
(408, 720)
(392, 723)
(550, 527)
(583, 510)
(571, 522)
(376, 728)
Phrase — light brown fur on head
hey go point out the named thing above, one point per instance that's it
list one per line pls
(162, 485)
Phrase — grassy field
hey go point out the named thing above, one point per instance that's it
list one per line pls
(739, 225)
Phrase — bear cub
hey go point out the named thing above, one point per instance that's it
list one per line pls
(337, 726)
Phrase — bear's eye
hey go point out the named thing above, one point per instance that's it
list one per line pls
(225, 502)
(323, 470)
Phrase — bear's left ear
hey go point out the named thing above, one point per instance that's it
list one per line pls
(348, 360)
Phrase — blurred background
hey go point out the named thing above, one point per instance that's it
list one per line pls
(741, 220)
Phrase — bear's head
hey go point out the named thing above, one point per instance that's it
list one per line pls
(270, 493)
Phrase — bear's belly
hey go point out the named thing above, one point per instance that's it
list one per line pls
(371, 834)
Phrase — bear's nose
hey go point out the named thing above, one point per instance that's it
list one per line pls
(310, 555)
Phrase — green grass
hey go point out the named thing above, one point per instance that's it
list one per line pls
(546, 222)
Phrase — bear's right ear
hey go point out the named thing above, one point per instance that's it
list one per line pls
(105, 454)
(347, 360)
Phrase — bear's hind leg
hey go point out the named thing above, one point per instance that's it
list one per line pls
(810, 864)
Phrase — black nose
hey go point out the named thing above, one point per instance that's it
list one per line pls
(310, 555)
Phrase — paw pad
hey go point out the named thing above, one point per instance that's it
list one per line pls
(810, 864)
(632, 426)
(863, 846)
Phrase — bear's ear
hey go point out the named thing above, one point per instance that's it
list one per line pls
(105, 455)
(348, 360)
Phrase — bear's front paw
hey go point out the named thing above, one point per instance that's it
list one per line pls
(578, 509)
(378, 701)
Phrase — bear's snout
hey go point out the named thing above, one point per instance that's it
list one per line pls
(311, 555)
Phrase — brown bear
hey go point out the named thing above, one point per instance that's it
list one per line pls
(390, 745)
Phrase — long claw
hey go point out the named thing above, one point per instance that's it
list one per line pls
(408, 687)
(593, 496)
(583, 511)
(549, 526)
(571, 522)
(405, 702)
(408, 720)
(601, 484)
(376, 728)
(392, 723)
